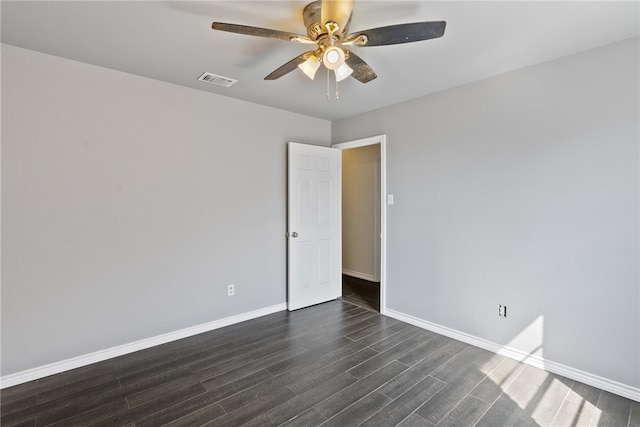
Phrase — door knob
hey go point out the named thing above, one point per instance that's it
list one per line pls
(294, 234)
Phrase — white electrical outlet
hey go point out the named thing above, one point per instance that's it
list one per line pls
(502, 310)
(231, 289)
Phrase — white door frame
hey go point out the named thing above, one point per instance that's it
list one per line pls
(382, 140)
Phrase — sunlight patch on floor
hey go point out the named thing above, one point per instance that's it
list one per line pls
(576, 410)
(537, 391)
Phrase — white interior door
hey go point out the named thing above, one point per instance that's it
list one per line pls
(314, 228)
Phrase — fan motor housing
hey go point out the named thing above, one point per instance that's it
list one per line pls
(311, 16)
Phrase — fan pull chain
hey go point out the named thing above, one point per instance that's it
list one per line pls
(328, 86)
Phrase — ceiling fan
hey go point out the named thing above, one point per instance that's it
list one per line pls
(327, 23)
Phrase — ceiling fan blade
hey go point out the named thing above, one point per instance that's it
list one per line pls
(402, 33)
(361, 70)
(257, 31)
(289, 66)
(338, 11)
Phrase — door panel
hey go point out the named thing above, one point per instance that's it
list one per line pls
(314, 228)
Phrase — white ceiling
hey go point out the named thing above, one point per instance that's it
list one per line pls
(174, 42)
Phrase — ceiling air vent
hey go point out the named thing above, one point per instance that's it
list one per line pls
(215, 79)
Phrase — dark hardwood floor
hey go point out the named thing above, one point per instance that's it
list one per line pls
(361, 292)
(333, 364)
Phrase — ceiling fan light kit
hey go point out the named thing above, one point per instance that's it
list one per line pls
(327, 23)
(333, 57)
(342, 72)
(310, 66)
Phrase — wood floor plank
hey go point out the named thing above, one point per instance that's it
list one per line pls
(299, 380)
(361, 292)
(180, 409)
(149, 395)
(414, 374)
(504, 412)
(465, 413)
(208, 414)
(209, 369)
(308, 418)
(355, 309)
(615, 410)
(391, 354)
(526, 385)
(572, 413)
(345, 350)
(29, 390)
(307, 357)
(415, 420)
(344, 359)
(539, 407)
(92, 416)
(31, 422)
(546, 405)
(314, 377)
(287, 410)
(423, 349)
(363, 321)
(485, 360)
(246, 369)
(497, 380)
(182, 388)
(439, 406)
(78, 375)
(380, 339)
(407, 332)
(11, 406)
(152, 377)
(234, 352)
(357, 391)
(634, 416)
(380, 324)
(92, 379)
(525, 423)
(67, 406)
(583, 393)
(405, 404)
(359, 411)
(248, 412)
(247, 396)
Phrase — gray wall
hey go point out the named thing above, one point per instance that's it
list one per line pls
(522, 190)
(129, 205)
(361, 211)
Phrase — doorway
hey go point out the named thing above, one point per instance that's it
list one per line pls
(363, 222)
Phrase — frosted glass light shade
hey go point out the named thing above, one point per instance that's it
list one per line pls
(310, 66)
(333, 57)
(342, 72)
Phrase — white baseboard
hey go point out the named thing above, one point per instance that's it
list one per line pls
(615, 387)
(99, 356)
(358, 275)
